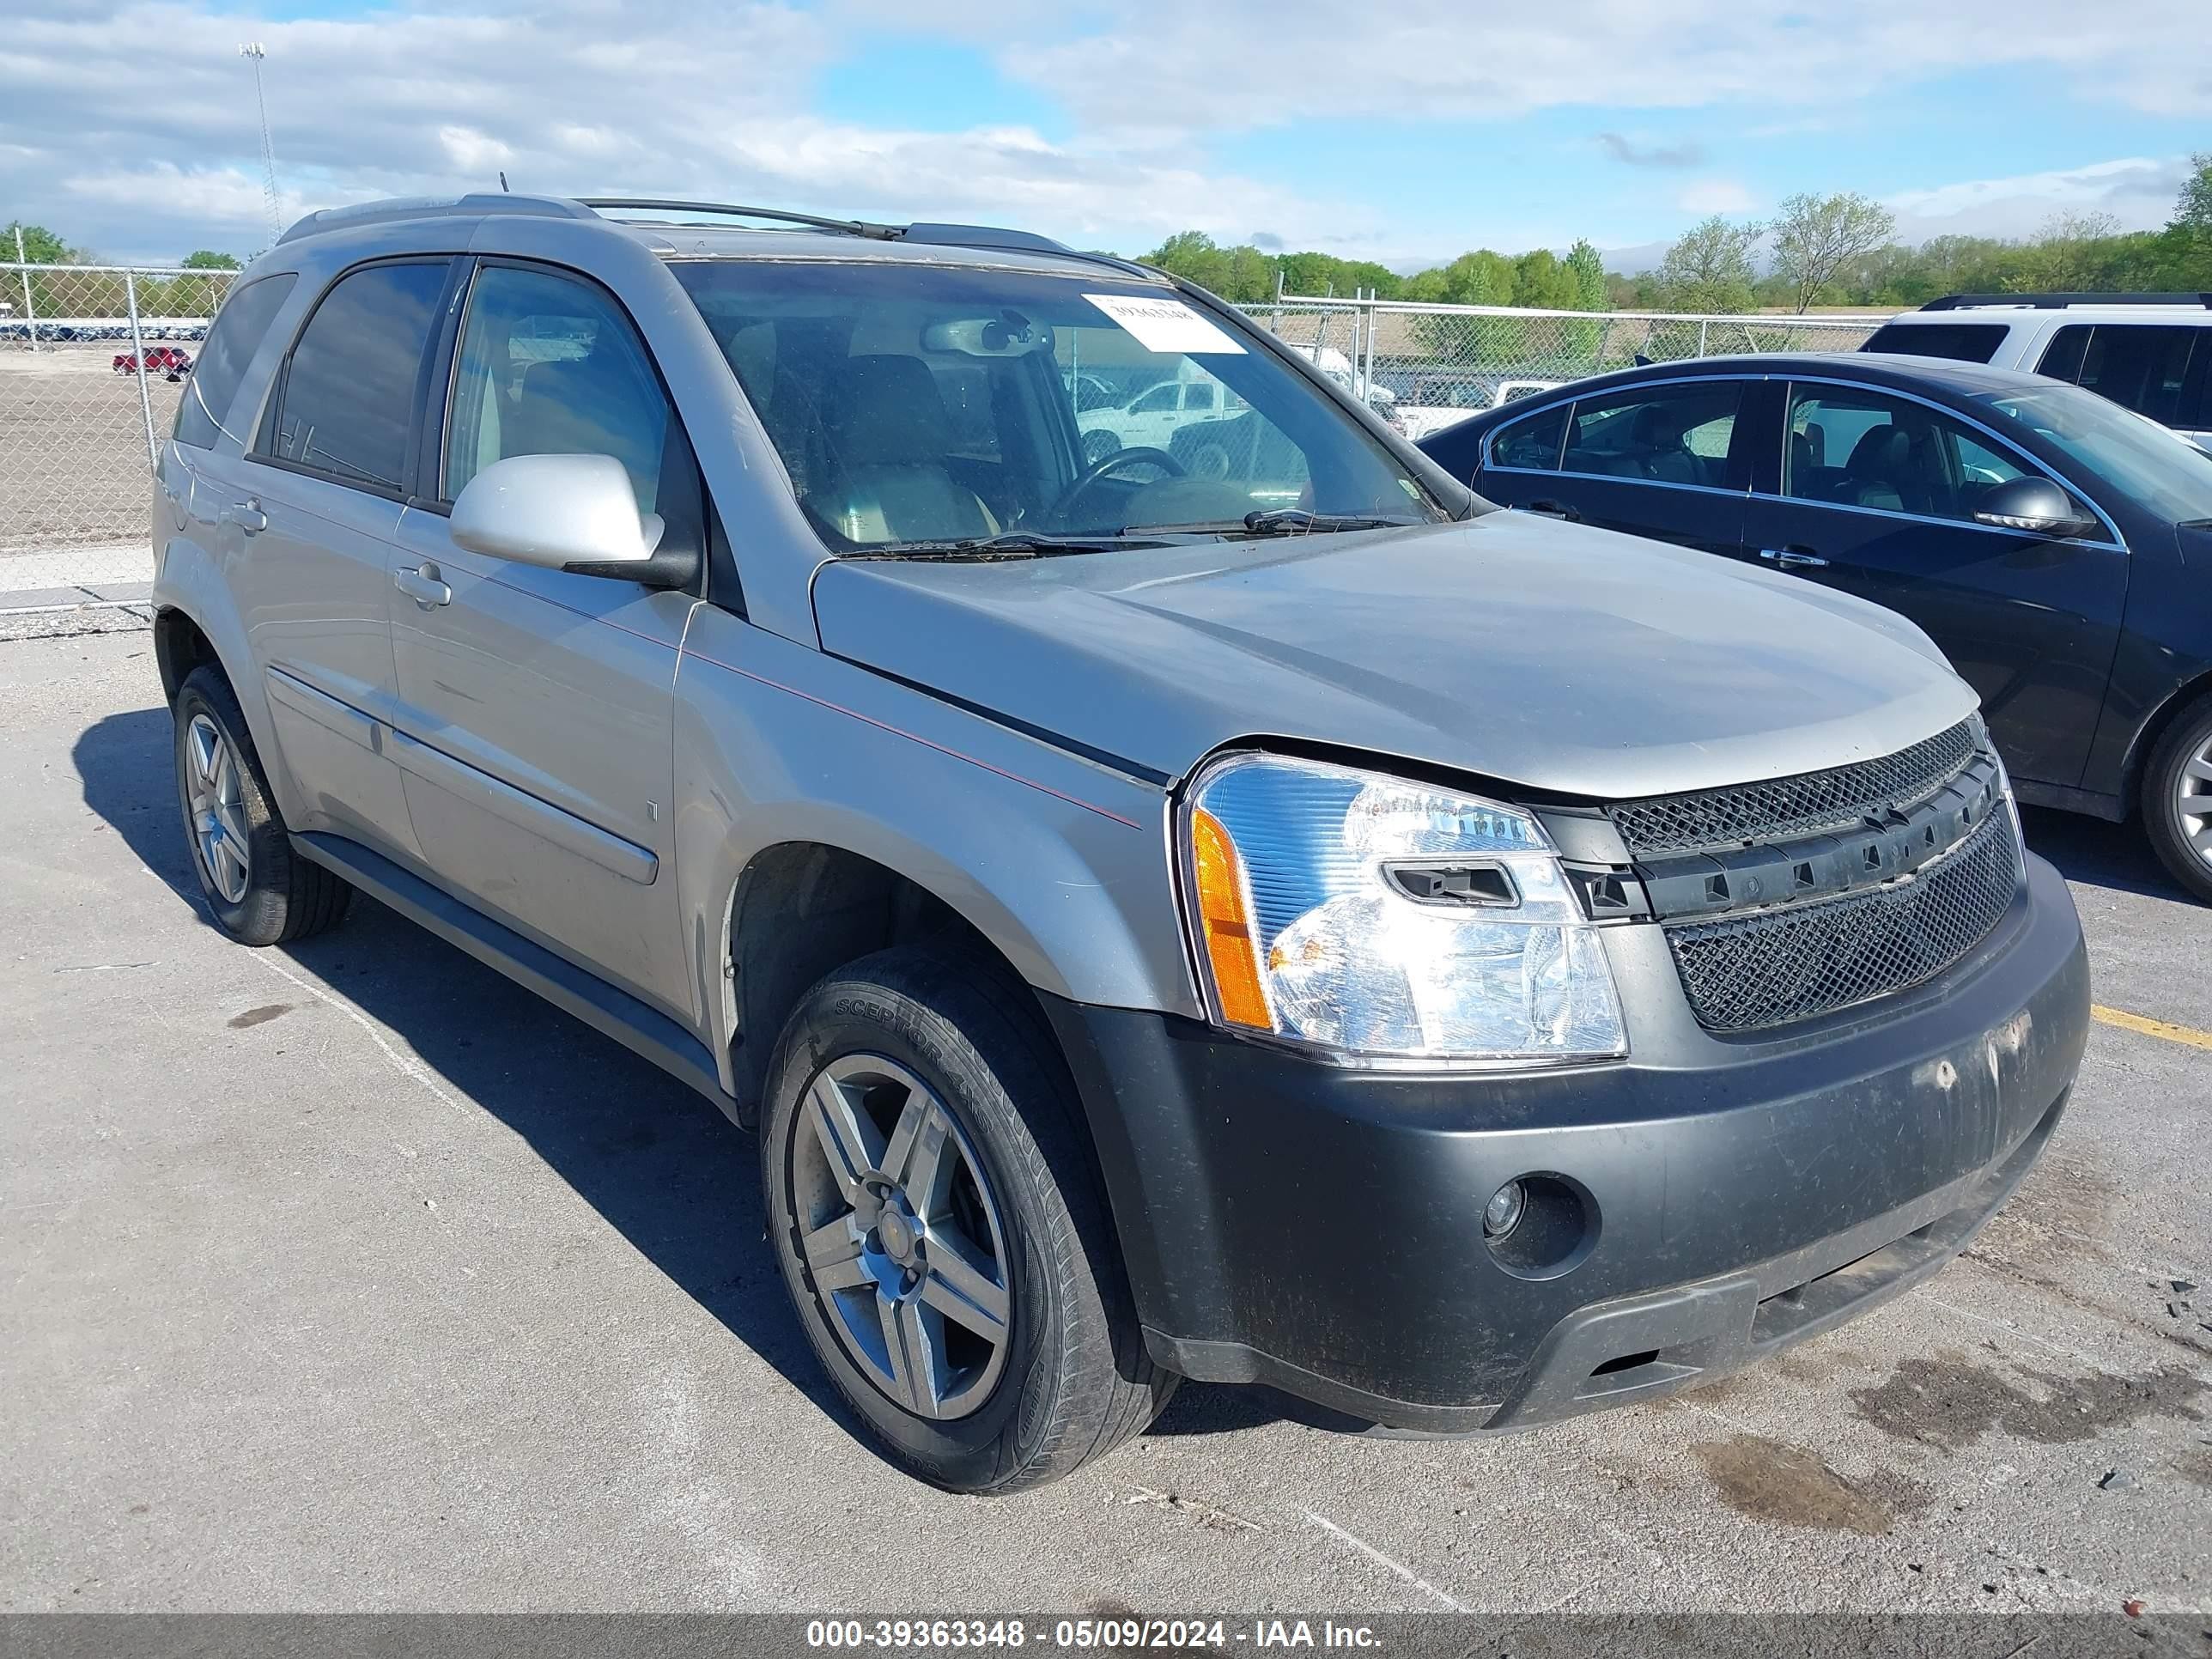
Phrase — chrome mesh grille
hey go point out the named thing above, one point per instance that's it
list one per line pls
(1745, 973)
(1783, 809)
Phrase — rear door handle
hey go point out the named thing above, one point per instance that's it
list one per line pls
(422, 585)
(1792, 557)
(1556, 510)
(246, 515)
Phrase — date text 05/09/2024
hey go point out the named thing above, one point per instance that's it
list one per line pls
(1122, 1635)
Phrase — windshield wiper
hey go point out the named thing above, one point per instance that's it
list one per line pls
(1284, 522)
(1012, 544)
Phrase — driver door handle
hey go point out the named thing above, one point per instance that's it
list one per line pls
(1792, 557)
(246, 515)
(1551, 510)
(423, 585)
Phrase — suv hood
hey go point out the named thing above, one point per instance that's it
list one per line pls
(1515, 647)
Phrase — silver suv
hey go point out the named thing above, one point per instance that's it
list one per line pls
(1236, 907)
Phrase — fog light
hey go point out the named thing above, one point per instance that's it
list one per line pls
(1502, 1213)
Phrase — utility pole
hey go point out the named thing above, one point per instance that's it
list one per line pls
(254, 52)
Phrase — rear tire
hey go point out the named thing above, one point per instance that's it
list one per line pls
(1040, 1367)
(2176, 799)
(258, 889)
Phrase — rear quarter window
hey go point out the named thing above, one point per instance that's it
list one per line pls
(239, 330)
(1964, 343)
(1533, 442)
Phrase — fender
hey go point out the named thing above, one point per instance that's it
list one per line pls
(776, 744)
(188, 579)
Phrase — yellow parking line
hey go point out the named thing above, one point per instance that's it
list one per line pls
(2157, 1028)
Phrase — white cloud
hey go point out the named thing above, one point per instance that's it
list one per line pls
(1707, 196)
(469, 151)
(655, 97)
(578, 97)
(2138, 192)
(1156, 64)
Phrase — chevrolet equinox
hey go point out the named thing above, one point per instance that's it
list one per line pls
(1233, 906)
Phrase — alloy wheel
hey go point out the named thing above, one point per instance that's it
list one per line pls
(2192, 802)
(214, 799)
(901, 1236)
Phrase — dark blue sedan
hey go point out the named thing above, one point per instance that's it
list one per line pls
(2057, 548)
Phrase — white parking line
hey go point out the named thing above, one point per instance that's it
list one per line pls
(1395, 1569)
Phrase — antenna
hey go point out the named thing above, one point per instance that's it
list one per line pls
(502, 181)
(254, 52)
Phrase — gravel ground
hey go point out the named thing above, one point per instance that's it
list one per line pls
(73, 462)
(349, 1277)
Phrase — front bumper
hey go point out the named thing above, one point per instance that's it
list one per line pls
(1319, 1229)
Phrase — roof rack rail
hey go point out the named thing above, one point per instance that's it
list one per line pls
(929, 234)
(2060, 301)
(603, 205)
(390, 211)
(482, 202)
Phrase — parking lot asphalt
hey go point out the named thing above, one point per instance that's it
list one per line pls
(349, 1277)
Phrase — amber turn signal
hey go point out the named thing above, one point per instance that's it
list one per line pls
(1225, 923)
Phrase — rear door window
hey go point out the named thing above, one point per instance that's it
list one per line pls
(347, 402)
(239, 330)
(1963, 343)
(2143, 366)
(1675, 435)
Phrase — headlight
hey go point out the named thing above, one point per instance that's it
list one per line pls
(1382, 920)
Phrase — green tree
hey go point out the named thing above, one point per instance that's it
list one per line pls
(1587, 267)
(1194, 257)
(1249, 277)
(1817, 236)
(1426, 287)
(1710, 268)
(1542, 282)
(207, 258)
(40, 246)
(2192, 210)
(1480, 278)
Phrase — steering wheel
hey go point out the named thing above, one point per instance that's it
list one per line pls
(1105, 464)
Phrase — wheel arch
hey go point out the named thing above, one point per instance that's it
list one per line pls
(2151, 732)
(181, 645)
(801, 909)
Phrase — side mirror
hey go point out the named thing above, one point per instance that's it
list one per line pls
(2036, 505)
(558, 511)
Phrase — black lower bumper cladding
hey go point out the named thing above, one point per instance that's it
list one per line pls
(1709, 1202)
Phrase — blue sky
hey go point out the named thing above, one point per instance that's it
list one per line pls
(1405, 133)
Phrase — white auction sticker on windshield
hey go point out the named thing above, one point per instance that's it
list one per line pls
(1168, 326)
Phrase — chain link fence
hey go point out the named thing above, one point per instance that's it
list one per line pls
(93, 360)
(1425, 367)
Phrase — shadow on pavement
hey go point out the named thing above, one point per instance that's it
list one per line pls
(2115, 855)
(663, 1167)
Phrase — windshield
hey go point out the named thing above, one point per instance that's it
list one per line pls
(2168, 475)
(927, 404)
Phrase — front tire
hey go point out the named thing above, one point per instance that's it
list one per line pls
(259, 890)
(933, 1208)
(2176, 799)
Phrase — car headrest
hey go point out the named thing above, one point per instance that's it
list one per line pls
(886, 411)
(1879, 450)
